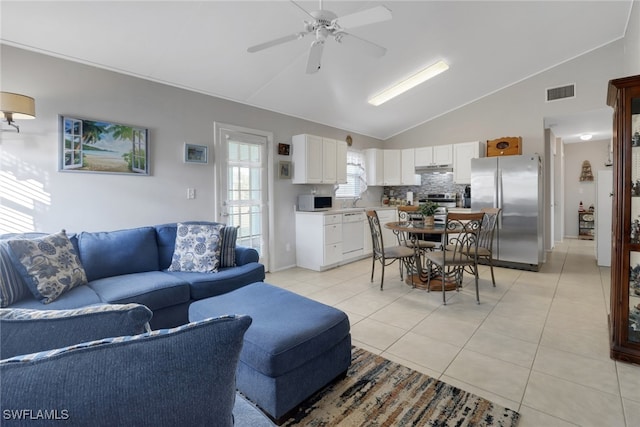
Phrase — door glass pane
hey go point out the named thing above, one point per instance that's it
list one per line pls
(245, 184)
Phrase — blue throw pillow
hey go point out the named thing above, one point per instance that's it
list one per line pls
(197, 248)
(12, 288)
(228, 247)
(49, 265)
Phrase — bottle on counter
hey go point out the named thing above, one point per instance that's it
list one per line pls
(581, 207)
(385, 200)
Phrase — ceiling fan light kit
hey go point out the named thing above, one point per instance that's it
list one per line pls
(326, 23)
(409, 83)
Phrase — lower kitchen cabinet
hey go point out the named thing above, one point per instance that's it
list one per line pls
(325, 240)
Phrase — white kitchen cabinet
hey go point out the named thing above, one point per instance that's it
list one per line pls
(443, 154)
(374, 162)
(341, 162)
(307, 159)
(318, 240)
(462, 155)
(408, 169)
(329, 161)
(318, 160)
(392, 167)
(434, 155)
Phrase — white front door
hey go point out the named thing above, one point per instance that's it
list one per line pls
(242, 185)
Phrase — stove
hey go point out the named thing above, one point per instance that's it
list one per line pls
(446, 200)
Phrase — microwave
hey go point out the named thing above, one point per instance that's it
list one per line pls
(312, 202)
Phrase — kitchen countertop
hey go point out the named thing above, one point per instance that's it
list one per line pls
(347, 210)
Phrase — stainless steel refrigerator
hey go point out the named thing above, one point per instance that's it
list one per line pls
(513, 183)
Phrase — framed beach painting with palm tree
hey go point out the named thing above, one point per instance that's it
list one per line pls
(99, 146)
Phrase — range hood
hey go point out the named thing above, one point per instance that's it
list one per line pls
(434, 169)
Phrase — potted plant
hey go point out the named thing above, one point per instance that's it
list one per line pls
(427, 210)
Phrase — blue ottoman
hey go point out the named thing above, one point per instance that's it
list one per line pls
(293, 348)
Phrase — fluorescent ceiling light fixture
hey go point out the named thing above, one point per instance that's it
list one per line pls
(586, 137)
(409, 83)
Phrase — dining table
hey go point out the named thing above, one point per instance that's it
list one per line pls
(417, 273)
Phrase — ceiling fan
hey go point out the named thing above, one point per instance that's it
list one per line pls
(326, 23)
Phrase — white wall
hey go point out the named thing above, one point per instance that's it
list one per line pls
(597, 153)
(74, 201)
(631, 64)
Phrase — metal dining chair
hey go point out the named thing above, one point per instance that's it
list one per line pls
(485, 240)
(388, 255)
(461, 237)
(408, 213)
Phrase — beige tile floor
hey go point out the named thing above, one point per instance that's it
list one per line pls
(537, 343)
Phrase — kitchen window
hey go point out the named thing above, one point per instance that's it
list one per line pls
(356, 182)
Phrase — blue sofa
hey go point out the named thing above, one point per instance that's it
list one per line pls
(115, 379)
(131, 266)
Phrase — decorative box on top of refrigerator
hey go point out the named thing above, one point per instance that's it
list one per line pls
(505, 146)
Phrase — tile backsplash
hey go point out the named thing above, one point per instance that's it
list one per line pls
(431, 183)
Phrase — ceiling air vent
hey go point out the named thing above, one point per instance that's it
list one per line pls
(562, 92)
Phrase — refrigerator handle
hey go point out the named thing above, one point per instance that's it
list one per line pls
(496, 186)
(499, 196)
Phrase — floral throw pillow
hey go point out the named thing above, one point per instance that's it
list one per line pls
(49, 265)
(197, 248)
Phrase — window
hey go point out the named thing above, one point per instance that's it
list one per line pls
(356, 183)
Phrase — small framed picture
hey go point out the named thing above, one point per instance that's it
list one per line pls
(284, 170)
(283, 149)
(195, 153)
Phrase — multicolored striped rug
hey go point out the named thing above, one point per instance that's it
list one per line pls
(378, 392)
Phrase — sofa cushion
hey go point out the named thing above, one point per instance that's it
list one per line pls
(49, 265)
(75, 298)
(24, 331)
(112, 382)
(197, 248)
(204, 285)
(112, 253)
(228, 246)
(155, 289)
(12, 288)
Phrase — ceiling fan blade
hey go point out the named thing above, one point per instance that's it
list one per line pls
(365, 45)
(276, 42)
(364, 17)
(315, 54)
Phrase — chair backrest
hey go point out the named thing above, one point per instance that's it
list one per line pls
(462, 233)
(407, 213)
(487, 231)
(376, 232)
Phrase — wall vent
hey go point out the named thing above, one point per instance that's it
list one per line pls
(562, 92)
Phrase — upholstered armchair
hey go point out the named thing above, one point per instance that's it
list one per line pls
(112, 374)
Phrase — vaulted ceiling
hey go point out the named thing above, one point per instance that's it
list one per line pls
(202, 46)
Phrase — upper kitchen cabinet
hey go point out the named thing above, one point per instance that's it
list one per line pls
(392, 166)
(374, 161)
(624, 321)
(318, 160)
(435, 155)
(384, 167)
(408, 171)
(341, 159)
(462, 155)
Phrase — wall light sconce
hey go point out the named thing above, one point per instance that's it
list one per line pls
(14, 106)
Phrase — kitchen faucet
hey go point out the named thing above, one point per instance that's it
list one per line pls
(353, 204)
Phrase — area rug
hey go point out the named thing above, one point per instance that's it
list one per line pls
(378, 392)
